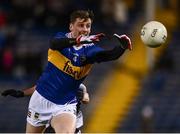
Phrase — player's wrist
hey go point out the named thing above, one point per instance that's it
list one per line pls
(19, 93)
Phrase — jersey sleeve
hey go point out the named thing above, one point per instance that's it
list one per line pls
(97, 54)
(59, 35)
(60, 41)
(93, 50)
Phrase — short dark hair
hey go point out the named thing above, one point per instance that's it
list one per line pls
(83, 14)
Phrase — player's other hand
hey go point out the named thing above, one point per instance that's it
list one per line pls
(86, 98)
(13, 92)
(124, 40)
(80, 94)
(89, 39)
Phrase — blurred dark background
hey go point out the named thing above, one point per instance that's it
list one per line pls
(137, 93)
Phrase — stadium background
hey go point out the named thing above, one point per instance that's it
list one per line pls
(137, 93)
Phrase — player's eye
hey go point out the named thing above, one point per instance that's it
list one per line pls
(88, 26)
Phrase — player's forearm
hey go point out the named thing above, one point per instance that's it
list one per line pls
(105, 56)
(29, 91)
(59, 44)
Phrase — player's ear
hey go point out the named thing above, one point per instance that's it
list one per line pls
(70, 26)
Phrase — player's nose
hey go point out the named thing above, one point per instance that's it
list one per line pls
(85, 29)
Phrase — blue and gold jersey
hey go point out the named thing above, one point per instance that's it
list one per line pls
(64, 72)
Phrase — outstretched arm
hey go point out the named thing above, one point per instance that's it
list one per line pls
(105, 56)
(115, 53)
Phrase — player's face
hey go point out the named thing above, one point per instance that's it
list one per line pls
(80, 27)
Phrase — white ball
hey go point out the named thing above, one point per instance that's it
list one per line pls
(153, 34)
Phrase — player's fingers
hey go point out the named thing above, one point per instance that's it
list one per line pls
(100, 35)
(4, 93)
(95, 39)
(7, 92)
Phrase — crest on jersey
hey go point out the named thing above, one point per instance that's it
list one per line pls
(75, 57)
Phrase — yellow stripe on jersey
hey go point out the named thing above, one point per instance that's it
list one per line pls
(65, 65)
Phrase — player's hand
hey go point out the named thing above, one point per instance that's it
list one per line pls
(89, 39)
(80, 94)
(13, 92)
(124, 40)
(85, 99)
